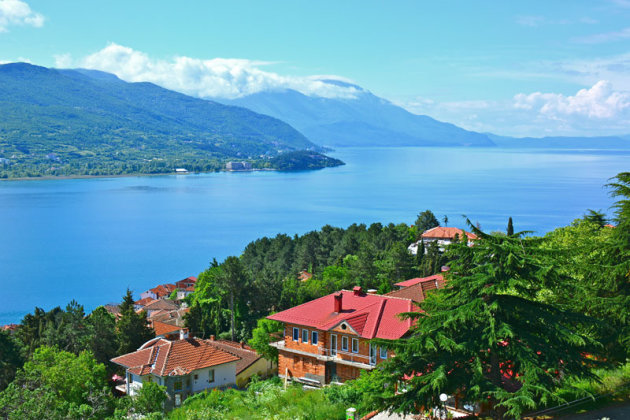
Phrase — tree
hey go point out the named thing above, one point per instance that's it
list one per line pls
(173, 295)
(232, 278)
(103, 343)
(596, 217)
(445, 220)
(57, 384)
(131, 330)
(510, 227)
(150, 398)
(262, 336)
(486, 337)
(425, 221)
(10, 359)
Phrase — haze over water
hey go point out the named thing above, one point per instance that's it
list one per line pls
(90, 239)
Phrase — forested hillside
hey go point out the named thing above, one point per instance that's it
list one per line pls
(79, 122)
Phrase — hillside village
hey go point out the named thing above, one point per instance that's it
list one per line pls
(338, 333)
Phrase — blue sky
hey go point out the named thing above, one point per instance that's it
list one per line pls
(516, 68)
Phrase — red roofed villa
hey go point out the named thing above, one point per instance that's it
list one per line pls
(185, 367)
(443, 236)
(328, 339)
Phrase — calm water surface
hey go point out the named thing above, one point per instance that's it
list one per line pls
(90, 239)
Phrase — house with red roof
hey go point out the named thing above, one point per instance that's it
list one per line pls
(185, 283)
(162, 291)
(443, 236)
(417, 289)
(184, 367)
(330, 339)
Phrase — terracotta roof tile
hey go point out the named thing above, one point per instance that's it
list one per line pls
(369, 314)
(174, 358)
(441, 232)
(436, 279)
(247, 354)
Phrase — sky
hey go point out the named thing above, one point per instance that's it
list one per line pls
(532, 68)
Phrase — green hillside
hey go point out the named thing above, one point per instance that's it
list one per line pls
(80, 122)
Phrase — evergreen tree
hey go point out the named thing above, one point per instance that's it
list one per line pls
(425, 221)
(132, 329)
(486, 337)
(10, 359)
(103, 342)
(510, 227)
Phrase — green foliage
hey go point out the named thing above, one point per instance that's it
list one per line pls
(262, 336)
(131, 330)
(150, 398)
(103, 340)
(510, 227)
(425, 221)
(487, 337)
(302, 160)
(57, 384)
(10, 359)
(173, 295)
(262, 400)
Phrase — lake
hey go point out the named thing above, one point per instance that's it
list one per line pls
(90, 239)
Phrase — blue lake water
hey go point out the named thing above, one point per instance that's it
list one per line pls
(90, 239)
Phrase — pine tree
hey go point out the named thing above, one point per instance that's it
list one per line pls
(132, 329)
(486, 338)
(510, 227)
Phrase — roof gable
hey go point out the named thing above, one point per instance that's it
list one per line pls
(370, 315)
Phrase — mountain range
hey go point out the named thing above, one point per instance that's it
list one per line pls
(90, 122)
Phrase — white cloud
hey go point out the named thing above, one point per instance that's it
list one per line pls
(17, 12)
(605, 37)
(598, 102)
(206, 78)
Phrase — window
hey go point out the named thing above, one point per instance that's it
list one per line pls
(148, 379)
(355, 345)
(196, 377)
(177, 386)
(296, 334)
(314, 338)
(304, 336)
(344, 343)
(383, 353)
(211, 375)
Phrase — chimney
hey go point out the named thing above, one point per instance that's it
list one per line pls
(372, 291)
(212, 337)
(357, 290)
(183, 334)
(338, 298)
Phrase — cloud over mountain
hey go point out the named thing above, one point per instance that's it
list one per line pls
(206, 78)
(17, 12)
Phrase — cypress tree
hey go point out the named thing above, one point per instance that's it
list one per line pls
(132, 329)
(510, 227)
(486, 338)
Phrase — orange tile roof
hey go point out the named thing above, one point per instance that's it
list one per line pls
(174, 358)
(162, 328)
(441, 232)
(163, 290)
(436, 279)
(145, 301)
(246, 353)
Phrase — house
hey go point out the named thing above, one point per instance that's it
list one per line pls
(238, 166)
(184, 366)
(168, 331)
(443, 236)
(160, 305)
(159, 292)
(175, 317)
(140, 304)
(251, 363)
(329, 339)
(304, 275)
(183, 293)
(185, 283)
(417, 289)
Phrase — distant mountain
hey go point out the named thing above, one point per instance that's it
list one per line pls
(365, 120)
(66, 122)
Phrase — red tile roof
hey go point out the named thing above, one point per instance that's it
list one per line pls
(188, 281)
(246, 353)
(370, 315)
(162, 328)
(441, 232)
(163, 290)
(145, 301)
(436, 279)
(174, 358)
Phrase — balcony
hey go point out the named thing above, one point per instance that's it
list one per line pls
(324, 354)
